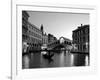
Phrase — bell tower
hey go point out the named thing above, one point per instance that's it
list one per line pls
(42, 28)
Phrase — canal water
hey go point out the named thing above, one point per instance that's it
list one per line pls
(59, 59)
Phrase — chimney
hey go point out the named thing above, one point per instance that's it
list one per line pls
(81, 25)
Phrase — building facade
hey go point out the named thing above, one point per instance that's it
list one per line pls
(51, 38)
(44, 35)
(81, 38)
(45, 39)
(25, 17)
(32, 36)
(35, 34)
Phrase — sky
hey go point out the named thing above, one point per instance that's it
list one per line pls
(58, 24)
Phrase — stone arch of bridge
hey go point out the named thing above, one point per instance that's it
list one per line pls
(61, 42)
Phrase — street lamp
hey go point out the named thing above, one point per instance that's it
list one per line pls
(25, 45)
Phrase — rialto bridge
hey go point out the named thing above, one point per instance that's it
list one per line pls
(61, 43)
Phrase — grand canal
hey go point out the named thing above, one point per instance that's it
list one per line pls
(59, 59)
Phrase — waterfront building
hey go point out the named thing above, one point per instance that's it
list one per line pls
(25, 17)
(51, 38)
(35, 34)
(31, 34)
(34, 37)
(45, 39)
(81, 38)
(44, 35)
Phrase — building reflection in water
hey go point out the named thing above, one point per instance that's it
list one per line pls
(25, 61)
(61, 59)
(72, 60)
(87, 61)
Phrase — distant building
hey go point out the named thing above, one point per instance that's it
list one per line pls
(44, 35)
(45, 38)
(81, 38)
(42, 30)
(51, 38)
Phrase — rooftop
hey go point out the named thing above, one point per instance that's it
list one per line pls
(81, 27)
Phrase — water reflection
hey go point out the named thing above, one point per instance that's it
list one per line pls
(25, 61)
(72, 60)
(59, 59)
(86, 60)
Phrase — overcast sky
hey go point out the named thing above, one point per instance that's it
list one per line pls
(58, 24)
